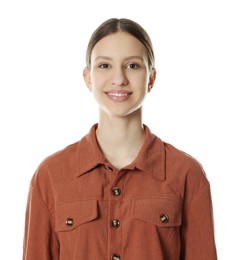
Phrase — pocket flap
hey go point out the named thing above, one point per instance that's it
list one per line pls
(72, 214)
(163, 212)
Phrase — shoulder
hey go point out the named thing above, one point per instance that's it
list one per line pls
(181, 159)
(61, 157)
(55, 164)
(174, 162)
(185, 169)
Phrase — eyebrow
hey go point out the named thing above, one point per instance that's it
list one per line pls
(128, 58)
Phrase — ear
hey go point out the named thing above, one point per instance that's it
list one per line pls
(87, 78)
(152, 79)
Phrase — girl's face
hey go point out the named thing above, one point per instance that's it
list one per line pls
(119, 77)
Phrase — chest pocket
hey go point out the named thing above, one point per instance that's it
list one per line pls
(73, 214)
(163, 212)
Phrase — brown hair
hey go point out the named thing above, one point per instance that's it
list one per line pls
(114, 25)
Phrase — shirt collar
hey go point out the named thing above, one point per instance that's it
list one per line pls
(150, 159)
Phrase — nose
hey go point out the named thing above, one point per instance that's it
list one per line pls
(119, 77)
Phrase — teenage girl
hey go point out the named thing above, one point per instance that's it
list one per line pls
(120, 193)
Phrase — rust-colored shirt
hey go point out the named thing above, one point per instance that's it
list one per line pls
(82, 208)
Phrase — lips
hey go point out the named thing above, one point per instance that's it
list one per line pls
(118, 95)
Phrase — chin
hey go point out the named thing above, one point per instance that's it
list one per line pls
(123, 113)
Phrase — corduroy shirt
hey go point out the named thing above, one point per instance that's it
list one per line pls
(80, 207)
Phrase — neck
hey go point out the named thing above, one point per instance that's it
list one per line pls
(124, 133)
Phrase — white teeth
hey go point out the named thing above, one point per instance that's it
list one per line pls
(118, 94)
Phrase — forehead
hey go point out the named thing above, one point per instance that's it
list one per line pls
(119, 43)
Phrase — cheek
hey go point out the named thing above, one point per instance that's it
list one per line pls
(141, 81)
(98, 79)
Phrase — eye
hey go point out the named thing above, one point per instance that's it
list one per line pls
(132, 66)
(104, 66)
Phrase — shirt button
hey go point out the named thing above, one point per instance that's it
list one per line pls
(116, 191)
(164, 218)
(115, 257)
(69, 222)
(115, 223)
(108, 168)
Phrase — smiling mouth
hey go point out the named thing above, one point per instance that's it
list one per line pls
(118, 94)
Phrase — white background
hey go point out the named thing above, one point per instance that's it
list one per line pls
(44, 104)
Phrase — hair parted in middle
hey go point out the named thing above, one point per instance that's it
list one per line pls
(114, 25)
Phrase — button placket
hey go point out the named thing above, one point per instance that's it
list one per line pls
(115, 223)
(115, 217)
(115, 212)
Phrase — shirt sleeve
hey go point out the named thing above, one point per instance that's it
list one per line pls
(40, 240)
(197, 232)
